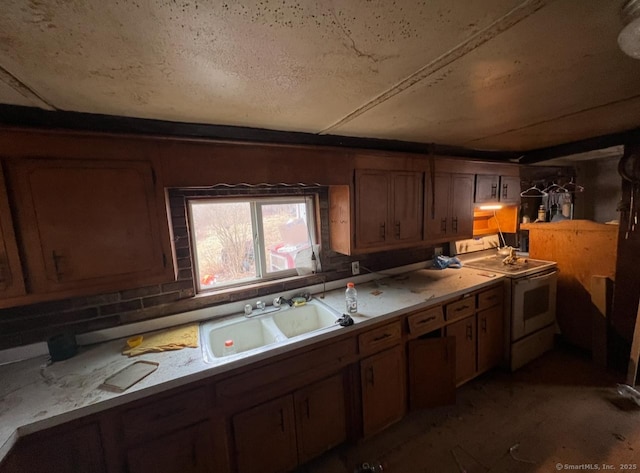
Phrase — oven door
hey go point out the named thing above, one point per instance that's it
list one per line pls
(533, 303)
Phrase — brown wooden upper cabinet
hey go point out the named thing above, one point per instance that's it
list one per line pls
(89, 225)
(449, 210)
(388, 208)
(11, 278)
(492, 188)
(387, 211)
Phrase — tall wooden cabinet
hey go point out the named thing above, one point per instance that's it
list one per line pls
(449, 209)
(11, 277)
(89, 225)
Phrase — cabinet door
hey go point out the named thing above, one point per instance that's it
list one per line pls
(320, 417)
(372, 208)
(75, 451)
(487, 189)
(432, 368)
(490, 338)
(11, 278)
(265, 438)
(383, 390)
(510, 190)
(408, 195)
(461, 217)
(437, 211)
(187, 450)
(88, 224)
(464, 331)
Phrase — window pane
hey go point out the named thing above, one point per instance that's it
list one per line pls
(285, 234)
(224, 243)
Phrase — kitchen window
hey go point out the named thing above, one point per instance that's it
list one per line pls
(239, 241)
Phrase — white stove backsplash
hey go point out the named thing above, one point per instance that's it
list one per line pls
(486, 242)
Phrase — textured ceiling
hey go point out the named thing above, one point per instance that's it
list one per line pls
(485, 74)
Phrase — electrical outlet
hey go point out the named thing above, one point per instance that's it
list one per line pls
(437, 251)
(355, 267)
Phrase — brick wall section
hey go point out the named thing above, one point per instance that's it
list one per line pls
(34, 323)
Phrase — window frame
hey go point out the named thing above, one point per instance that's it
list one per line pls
(256, 202)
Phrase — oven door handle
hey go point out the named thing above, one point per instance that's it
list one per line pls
(528, 279)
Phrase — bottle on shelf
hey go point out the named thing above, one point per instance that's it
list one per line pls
(351, 297)
(542, 214)
(229, 348)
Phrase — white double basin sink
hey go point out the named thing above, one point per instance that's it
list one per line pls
(261, 332)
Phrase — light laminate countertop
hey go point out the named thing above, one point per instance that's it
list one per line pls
(36, 394)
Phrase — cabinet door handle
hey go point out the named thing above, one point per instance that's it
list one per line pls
(483, 324)
(282, 419)
(505, 191)
(454, 224)
(382, 337)
(383, 230)
(469, 332)
(397, 229)
(490, 298)
(464, 307)
(4, 272)
(424, 321)
(494, 191)
(56, 258)
(370, 376)
(443, 225)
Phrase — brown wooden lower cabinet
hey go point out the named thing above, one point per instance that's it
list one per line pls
(265, 437)
(490, 338)
(320, 417)
(72, 451)
(187, 450)
(432, 368)
(278, 435)
(464, 332)
(382, 378)
(479, 337)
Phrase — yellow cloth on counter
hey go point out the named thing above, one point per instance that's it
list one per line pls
(173, 339)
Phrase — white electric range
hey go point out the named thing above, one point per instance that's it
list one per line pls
(530, 297)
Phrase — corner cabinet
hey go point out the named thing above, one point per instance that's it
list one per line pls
(89, 225)
(387, 211)
(449, 210)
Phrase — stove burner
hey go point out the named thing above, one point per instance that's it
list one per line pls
(497, 264)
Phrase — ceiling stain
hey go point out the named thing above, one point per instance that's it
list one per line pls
(419, 70)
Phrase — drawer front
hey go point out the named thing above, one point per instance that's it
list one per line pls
(165, 415)
(460, 309)
(425, 321)
(490, 298)
(380, 338)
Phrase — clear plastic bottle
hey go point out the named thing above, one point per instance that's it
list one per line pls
(229, 348)
(351, 297)
(629, 392)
